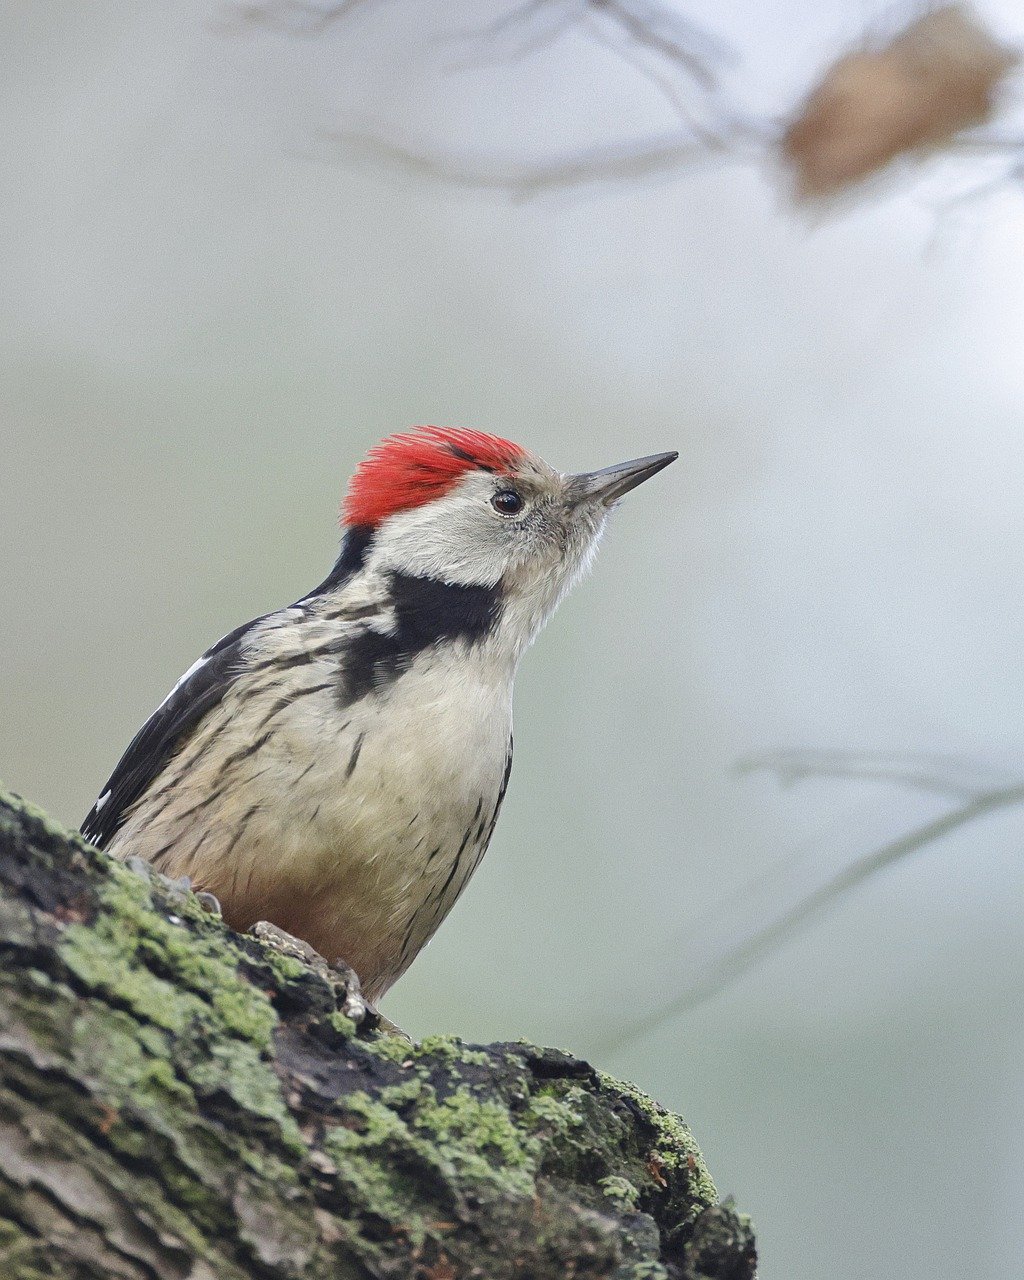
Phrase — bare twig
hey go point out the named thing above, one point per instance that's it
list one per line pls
(947, 775)
(679, 40)
(531, 25)
(296, 17)
(926, 90)
(523, 181)
(661, 31)
(762, 942)
(680, 95)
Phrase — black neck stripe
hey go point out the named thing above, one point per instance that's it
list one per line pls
(427, 613)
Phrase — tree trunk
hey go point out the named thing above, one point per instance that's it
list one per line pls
(178, 1102)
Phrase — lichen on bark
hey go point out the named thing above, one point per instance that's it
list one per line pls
(178, 1101)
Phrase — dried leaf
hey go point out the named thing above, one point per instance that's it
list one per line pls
(937, 77)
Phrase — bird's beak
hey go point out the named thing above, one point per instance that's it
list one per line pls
(610, 483)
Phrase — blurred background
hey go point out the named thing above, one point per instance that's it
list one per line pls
(209, 310)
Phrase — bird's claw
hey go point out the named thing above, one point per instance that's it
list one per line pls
(353, 1005)
(287, 944)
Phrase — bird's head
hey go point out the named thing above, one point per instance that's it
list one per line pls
(473, 510)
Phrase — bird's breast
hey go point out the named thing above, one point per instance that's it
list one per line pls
(354, 825)
(385, 808)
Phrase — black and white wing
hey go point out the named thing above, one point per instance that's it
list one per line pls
(198, 691)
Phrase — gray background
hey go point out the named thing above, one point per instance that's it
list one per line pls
(205, 321)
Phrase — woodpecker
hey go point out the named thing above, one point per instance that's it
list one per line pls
(337, 767)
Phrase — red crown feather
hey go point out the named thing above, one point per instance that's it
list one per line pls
(408, 470)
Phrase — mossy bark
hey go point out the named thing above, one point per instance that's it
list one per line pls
(177, 1101)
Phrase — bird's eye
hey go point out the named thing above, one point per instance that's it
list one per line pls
(507, 502)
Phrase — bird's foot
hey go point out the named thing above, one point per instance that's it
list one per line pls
(180, 885)
(353, 1004)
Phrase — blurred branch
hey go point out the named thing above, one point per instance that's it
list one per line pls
(671, 51)
(549, 20)
(680, 40)
(946, 775)
(297, 17)
(926, 90)
(920, 772)
(638, 31)
(613, 163)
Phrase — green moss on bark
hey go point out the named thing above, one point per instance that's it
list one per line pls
(178, 1101)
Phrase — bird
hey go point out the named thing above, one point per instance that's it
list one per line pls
(332, 771)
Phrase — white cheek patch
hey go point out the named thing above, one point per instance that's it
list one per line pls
(457, 538)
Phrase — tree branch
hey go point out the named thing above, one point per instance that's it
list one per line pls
(177, 1100)
(930, 773)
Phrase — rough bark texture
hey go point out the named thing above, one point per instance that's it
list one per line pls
(177, 1101)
